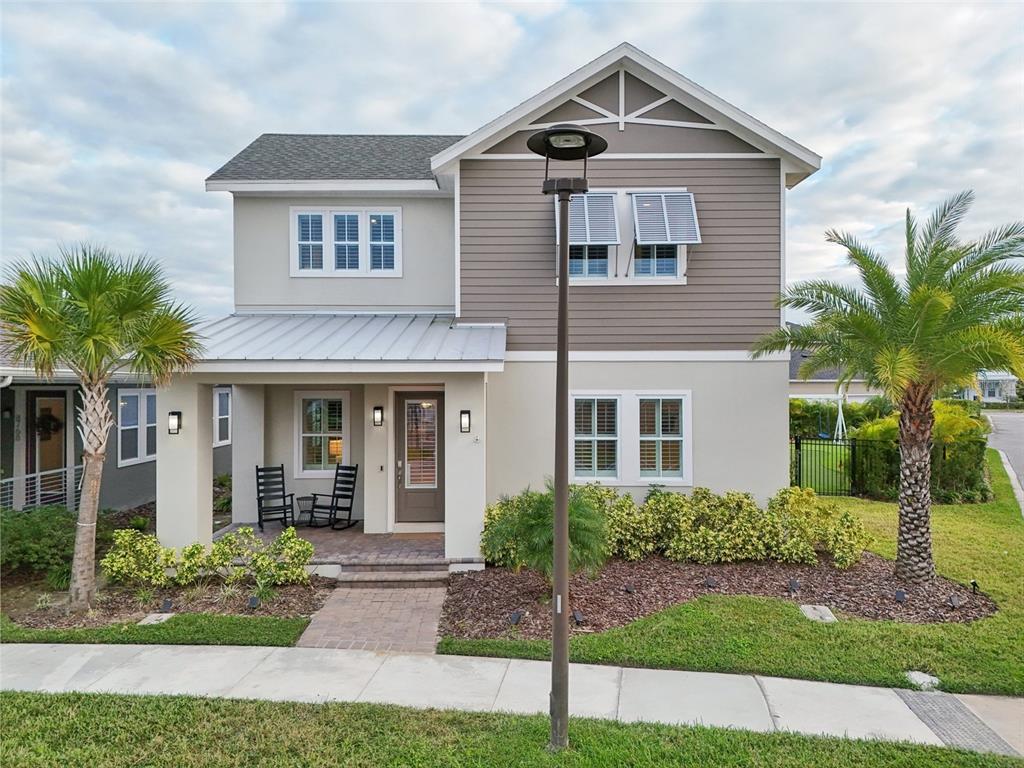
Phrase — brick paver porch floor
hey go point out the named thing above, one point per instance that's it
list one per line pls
(353, 546)
(389, 619)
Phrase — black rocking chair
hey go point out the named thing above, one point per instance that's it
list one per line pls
(332, 505)
(272, 502)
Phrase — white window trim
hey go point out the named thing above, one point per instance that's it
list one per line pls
(346, 415)
(329, 270)
(141, 427)
(217, 416)
(595, 478)
(621, 257)
(629, 437)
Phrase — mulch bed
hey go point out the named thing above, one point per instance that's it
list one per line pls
(480, 603)
(117, 605)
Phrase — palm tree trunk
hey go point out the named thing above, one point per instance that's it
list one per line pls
(914, 542)
(94, 423)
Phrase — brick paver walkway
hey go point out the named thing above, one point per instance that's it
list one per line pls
(388, 619)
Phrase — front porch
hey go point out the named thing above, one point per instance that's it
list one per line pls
(354, 547)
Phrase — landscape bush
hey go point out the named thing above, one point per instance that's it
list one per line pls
(139, 560)
(519, 531)
(42, 540)
(703, 527)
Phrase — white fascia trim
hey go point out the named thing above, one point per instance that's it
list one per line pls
(458, 242)
(347, 366)
(318, 185)
(647, 356)
(626, 55)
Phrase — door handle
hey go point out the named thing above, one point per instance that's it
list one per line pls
(398, 474)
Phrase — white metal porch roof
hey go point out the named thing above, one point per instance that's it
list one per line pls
(351, 338)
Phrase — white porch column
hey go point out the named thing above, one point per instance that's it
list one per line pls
(465, 462)
(184, 464)
(374, 472)
(247, 427)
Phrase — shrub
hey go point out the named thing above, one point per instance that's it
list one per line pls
(42, 540)
(722, 529)
(139, 523)
(633, 531)
(519, 531)
(809, 418)
(846, 539)
(138, 559)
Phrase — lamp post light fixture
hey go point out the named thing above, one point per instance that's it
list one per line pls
(464, 421)
(173, 422)
(562, 142)
(378, 415)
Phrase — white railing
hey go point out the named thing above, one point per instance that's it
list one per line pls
(55, 486)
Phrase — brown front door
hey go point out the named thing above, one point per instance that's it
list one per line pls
(419, 457)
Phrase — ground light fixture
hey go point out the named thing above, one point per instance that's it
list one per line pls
(378, 415)
(464, 421)
(563, 142)
(173, 422)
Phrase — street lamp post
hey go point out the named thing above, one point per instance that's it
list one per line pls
(562, 142)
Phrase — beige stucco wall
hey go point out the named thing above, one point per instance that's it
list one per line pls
(262, 252)
(740, 420)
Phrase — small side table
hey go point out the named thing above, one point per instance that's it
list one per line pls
(305, 505)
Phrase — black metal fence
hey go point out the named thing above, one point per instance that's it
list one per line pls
(871, 468)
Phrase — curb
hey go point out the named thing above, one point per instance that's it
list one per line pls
(1018, 491)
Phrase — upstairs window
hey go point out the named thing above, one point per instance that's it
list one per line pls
(382, 241)
(588, 261)
(657, 261)
(311, 240)
(662, 221)
(346, 241)
(367, 242)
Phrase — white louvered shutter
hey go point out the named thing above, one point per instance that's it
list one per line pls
(592, 219)
(665, 218)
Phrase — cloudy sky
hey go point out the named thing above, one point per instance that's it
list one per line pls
(114, 113)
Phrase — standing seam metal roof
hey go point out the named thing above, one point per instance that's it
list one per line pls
(279, 336)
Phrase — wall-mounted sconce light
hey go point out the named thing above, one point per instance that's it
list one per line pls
(464, 423)
(173, 422)
(378, 415)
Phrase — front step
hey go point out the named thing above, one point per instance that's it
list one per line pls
(390, 579)
(398, 566)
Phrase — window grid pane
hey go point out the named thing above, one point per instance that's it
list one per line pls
(322, 427)
(661, 428)
(382, 241)
(346, 241)
(311, 236)
(596, 450)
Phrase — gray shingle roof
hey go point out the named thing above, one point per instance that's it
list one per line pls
(295, 157)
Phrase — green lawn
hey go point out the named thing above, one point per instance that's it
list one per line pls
(182, 629)
(94, 729)
(771, 637)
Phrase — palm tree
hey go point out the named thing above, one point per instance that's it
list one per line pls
(958, 309)
(95, 314)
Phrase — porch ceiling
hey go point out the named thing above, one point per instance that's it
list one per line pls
(365, 341)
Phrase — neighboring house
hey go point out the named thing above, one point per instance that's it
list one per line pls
(993, 387)
(41, 451)
(395, 305)
(824, 385)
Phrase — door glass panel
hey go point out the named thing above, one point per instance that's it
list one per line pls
(50, 424)
(421, 444)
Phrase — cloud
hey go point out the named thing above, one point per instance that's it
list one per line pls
(114, 113)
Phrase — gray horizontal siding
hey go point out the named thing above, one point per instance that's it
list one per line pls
(733, 277)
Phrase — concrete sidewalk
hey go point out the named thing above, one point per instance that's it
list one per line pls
(511, 685)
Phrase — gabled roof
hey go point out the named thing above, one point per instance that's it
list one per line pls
(294, 157)
(800, 160)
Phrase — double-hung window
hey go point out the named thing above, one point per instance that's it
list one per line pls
(664, 222)
(596, 449)
(382, 242)
(593, 233)
(310, 231)
(321, 438)
(136, 426)
(221, 416)
(661, 437)
(348, 242)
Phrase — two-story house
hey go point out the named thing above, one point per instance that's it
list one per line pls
(395, 306)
